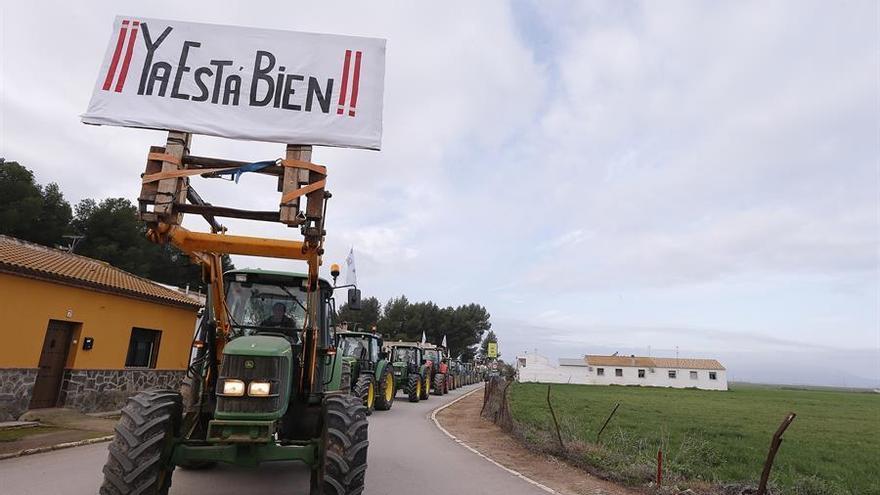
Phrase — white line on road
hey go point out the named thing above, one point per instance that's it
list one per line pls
(475, 451)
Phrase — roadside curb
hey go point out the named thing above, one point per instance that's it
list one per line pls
(475, 451)
(49, 448)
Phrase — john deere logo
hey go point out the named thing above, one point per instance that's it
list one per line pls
(249, 364)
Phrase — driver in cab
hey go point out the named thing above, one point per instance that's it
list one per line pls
(279, 318)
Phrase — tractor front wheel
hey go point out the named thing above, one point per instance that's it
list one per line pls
(365, 390)
(344, 466)
(385, 393)
(439, 383)
(139, 461)
(414, 387)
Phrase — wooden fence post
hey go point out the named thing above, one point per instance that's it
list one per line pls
(606, 422)
(771, 455)
(555, 423)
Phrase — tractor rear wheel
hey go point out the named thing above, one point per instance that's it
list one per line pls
(139, 461)
(385, 392)
(439, 383)
(414, 387)
(365, 390)
(344, 465)
(426, 387)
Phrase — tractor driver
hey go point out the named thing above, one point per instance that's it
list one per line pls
(279, 318)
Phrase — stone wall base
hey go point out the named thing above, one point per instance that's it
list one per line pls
(16, 387)
(107, 390)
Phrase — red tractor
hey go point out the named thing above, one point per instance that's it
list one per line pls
(438, 368)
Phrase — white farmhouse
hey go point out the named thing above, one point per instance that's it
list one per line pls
(706, 374)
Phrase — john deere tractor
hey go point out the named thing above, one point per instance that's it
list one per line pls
(265, 382)
(411, 373)
(373, 380)
(437, 368)
(257, 404)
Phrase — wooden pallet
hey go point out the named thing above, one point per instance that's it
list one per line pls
(166, 200)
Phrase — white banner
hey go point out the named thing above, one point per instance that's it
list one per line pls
(241, 83)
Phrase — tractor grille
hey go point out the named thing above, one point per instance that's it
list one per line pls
(272, 369)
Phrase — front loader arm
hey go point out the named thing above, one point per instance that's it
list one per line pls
(163, 203)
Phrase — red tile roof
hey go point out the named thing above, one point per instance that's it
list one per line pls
(36, 261)
(652, 362)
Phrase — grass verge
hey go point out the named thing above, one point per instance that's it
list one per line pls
(711, 438)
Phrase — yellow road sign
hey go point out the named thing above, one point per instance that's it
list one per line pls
(493, 349)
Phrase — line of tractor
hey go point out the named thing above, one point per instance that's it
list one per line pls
(381, 370)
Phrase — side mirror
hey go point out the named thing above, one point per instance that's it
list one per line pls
(354, 299)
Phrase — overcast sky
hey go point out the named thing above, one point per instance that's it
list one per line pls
(601, 176)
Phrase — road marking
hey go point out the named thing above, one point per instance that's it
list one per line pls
(475, 451)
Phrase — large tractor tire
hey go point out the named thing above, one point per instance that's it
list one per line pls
(426, 387)
(344, 466)
(385, 391)
(365, 390)
(439, 384)
(414, 387)
(139, 461)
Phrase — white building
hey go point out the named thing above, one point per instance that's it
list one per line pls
(706, 374)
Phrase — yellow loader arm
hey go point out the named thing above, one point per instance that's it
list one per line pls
(166, 196)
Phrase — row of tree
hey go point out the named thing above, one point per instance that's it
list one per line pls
(399, 319)
(108, 230)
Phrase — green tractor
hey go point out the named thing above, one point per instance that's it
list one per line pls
(456, 374)
(374, 383)
(269, 387)
(438, 368)
(411, 373)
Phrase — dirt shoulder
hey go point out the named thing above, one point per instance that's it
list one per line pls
(463, 420)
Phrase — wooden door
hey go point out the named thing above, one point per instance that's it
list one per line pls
(52, 362)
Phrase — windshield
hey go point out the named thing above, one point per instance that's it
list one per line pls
(357, 347)
(256, 308)
(431, 355)
(404, 354)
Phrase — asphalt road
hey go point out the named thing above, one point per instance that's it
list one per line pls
(408, 454)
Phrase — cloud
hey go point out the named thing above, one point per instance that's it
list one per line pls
(595, 166)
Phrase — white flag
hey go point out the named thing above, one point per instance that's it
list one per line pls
(351, 276)
(424, 339)
(444, 341)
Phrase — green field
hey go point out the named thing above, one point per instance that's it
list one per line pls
(832, 447)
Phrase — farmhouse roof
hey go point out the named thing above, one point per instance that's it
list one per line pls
(31, 260)
(652, 362)
(694, 364)
(644, 362)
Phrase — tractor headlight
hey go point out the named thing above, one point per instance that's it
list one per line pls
(233, 388)
(398, 372)
(259, 389)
